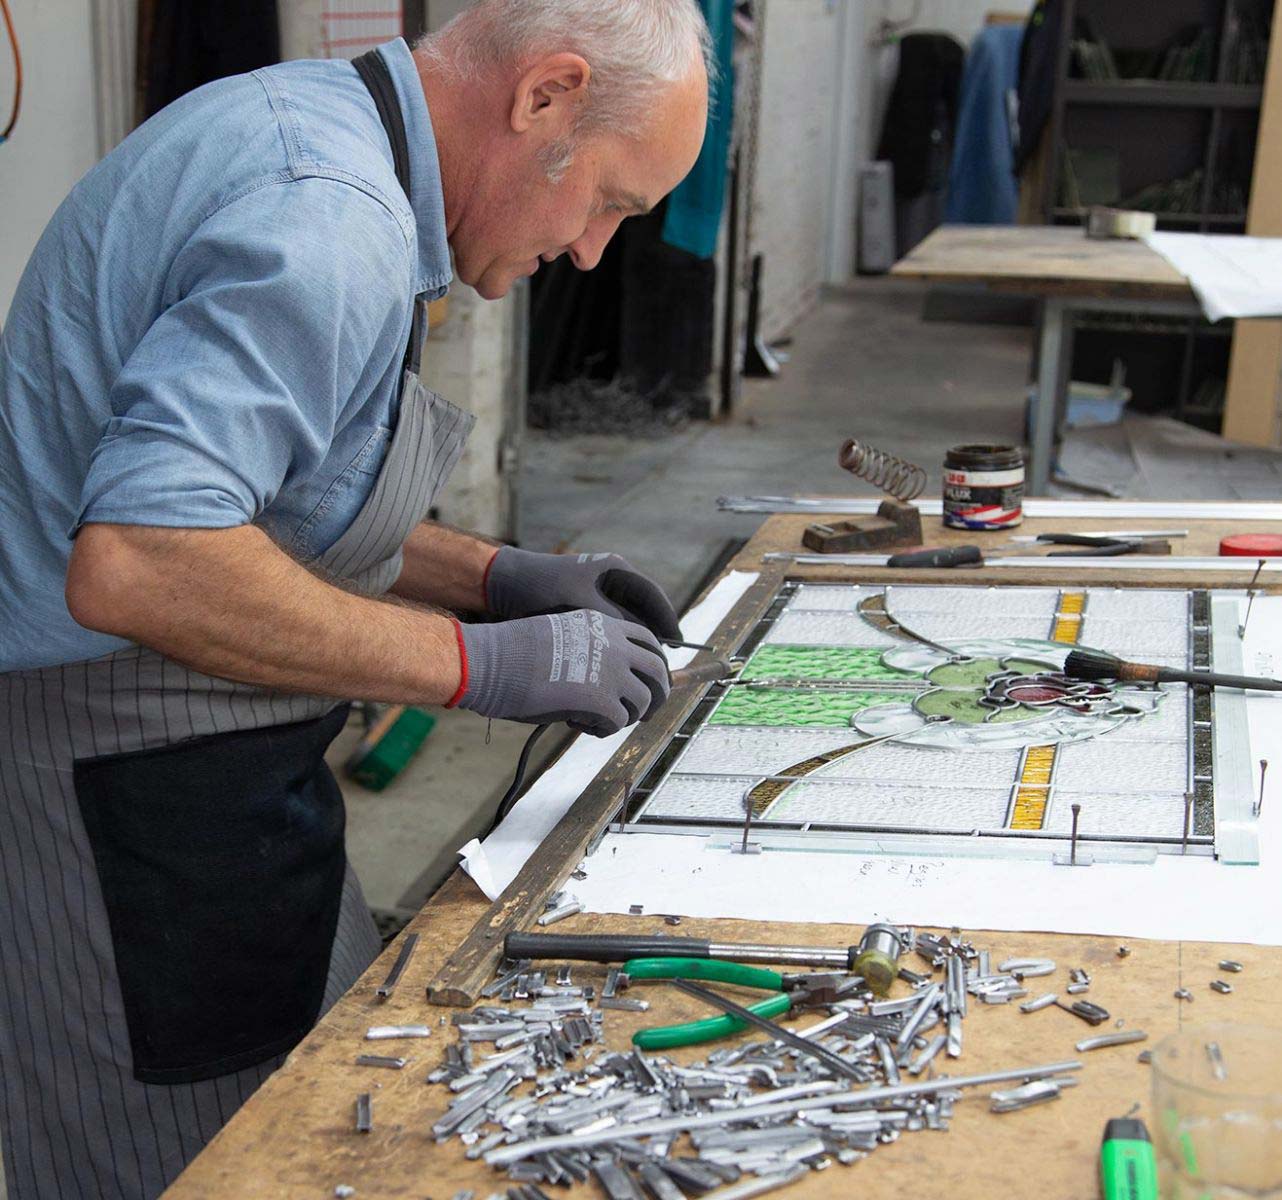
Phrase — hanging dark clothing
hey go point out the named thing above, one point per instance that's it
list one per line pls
(193, 42)
(917, 134)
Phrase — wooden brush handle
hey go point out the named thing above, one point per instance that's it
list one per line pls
(1137, 672)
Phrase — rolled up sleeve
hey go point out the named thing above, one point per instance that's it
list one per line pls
(286, 304)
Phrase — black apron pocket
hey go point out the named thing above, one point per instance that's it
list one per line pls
(221, 863)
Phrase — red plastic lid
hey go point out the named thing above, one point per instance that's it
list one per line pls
(1253, 545)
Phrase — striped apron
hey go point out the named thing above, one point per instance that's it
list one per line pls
(177, 908)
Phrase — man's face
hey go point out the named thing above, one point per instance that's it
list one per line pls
(523, 217)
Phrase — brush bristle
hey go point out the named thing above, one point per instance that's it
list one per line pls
(1091, 665)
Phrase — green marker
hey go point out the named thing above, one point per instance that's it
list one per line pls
(1127, 1168)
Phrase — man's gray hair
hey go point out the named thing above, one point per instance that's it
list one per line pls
(634, 47)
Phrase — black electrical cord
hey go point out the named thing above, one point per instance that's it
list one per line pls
(522, 763)
(17, 71)
(510, 796)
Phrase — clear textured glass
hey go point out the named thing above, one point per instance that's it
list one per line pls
(1217, 1096)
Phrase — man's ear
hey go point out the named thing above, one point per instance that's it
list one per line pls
(550, 94)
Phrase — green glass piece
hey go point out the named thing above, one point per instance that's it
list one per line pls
(974, 674)
(964, 674)
(793, 706)
(958, 706)
(1027, 667)
(965, 708)
(845, 663)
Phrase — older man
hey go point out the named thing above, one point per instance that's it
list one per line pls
(215, 460)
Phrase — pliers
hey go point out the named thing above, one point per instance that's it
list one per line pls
(1101, 547)
(790, 991)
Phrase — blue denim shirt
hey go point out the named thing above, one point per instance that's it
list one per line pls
(210, 331)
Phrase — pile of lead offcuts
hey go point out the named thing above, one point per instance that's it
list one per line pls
(750, 1117)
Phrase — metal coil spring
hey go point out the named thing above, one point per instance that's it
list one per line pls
(895, 476)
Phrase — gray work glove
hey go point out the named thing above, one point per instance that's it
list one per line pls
(520, 583)
(593, 671)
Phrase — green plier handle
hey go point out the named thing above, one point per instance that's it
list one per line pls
(665, 1037)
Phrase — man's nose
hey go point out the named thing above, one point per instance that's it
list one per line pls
(587, 248)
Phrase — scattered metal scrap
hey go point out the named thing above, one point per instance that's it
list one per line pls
(398, 967)
(1026, 1095)
(757, 1114)
(568, 909)
(1121, 1038)
(392, 1062)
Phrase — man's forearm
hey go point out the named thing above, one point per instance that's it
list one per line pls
(445, 566)
(230, 603)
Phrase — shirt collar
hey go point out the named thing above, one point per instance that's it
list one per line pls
(427, 196)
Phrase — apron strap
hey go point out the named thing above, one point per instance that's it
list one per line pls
(373, 71)
(378, 79)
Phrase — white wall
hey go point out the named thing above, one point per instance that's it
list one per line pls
(794, 145)
(56, 138)
(301, 28)
(470, 362)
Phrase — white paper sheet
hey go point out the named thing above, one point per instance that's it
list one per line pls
(494, 863)
(1233, 276)
(1175, 897)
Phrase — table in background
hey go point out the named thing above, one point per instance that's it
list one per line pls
(1066, 270)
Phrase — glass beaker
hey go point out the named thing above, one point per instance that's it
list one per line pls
(1217, 1104)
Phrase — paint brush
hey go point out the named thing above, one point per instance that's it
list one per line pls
(1094, 665)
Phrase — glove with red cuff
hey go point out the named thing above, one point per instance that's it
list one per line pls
(521, 583)
(593, 671)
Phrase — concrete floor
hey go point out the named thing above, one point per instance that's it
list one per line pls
(862, 365)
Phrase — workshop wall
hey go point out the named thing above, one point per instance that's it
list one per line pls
(302, 30)
(56, 138)
(794, 142)
(471, 360)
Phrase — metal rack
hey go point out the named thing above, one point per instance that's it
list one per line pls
(1162, 130)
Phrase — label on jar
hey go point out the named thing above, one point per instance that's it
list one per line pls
(983, 499)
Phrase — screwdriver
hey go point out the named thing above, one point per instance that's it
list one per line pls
(612, 948)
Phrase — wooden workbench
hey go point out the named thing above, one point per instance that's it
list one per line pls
(296, 1138)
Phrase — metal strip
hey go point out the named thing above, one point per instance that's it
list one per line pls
(1172, 510)
(1237, 838)
(1038, 846)
(1139, 563)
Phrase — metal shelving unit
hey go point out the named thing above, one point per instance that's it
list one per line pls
(1156, 93)
(1160, 131)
